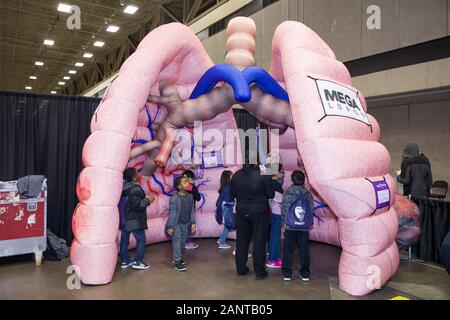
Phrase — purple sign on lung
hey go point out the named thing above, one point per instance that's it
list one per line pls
(382, 193)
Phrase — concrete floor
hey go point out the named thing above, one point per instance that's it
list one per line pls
(211, 275)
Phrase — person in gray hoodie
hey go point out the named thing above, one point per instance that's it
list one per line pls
(295, 238)
(181, 221)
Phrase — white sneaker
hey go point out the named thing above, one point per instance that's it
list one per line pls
(234, 253)
(224, 246)
(304, 278)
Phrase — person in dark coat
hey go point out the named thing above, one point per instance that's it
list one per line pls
(252, 192)
(415, 174)
(135, 220)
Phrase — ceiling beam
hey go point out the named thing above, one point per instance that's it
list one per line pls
(193, 12)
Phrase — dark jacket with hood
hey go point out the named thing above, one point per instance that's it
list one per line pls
(135, 210)
(415, 175)
(252, 191)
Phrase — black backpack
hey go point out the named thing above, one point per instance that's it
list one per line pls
(56, 247)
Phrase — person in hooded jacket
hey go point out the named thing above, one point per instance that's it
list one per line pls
(135, 220)
(252, 191)
(415, 172)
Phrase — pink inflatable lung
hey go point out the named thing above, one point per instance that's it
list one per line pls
(347, 168)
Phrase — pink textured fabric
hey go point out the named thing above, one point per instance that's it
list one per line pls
(338, 154)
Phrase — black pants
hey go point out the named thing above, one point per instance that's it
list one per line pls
(252, 227)
(292, 240)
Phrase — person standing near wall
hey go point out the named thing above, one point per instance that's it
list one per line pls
(252, 192)
(415, 174)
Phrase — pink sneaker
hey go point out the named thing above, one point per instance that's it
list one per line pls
(274, 264)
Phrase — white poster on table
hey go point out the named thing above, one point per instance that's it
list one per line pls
(338, 100)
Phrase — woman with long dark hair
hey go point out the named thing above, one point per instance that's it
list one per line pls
(252, 191)
(224, 199)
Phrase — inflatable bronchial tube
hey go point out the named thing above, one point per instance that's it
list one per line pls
(170, 82)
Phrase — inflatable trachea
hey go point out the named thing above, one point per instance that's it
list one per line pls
(170, 82)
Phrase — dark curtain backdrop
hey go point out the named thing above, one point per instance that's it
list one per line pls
(44, 134)
(435, 224)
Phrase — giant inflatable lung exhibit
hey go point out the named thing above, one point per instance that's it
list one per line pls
(323, 126)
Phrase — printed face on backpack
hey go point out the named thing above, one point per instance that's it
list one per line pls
(300, 213)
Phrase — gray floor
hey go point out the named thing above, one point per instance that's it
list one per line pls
(211, 275)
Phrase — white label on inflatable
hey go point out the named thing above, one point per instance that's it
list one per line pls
(338, 100)
(210, 160)
(384, 196)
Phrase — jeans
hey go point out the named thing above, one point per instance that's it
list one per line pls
(224, 235)
(139, 235)
(251, 227)
(179, 240)
(275, 236)
(299, 240)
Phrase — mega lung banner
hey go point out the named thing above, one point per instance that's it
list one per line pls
(338, 100)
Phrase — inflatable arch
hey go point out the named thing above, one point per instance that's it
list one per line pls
(170, 81)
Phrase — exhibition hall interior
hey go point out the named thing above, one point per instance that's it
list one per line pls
(225, 150)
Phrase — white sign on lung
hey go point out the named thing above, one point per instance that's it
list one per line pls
(338, 100)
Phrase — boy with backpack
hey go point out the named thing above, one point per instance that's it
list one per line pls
(133, 219)
(297, 211)
(181, 220)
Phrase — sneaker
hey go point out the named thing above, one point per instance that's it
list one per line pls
(276, 264)
(224, 246)
(181, 261)
(285, 278)
(262, 276)
(304, 278)
(125, 265)
(180, 267)
(140, 266)
(234, 253)
(191, 245)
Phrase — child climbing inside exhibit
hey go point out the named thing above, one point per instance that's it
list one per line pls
(224, 207)
(275, 227)
(134, 220)
(190, 176)
(181, 220)
(297, 210)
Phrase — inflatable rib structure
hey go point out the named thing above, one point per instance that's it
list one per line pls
(329, 133)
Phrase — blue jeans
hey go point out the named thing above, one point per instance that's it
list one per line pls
(139, 235)
(274, 238)
(224, 235)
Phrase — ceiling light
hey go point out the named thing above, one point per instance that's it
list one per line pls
(53, 92)
(33, 77)
(99, 44)
(67, 8)
(130, 9)
(88, 55)
(28, 88)
(72, 71)
(66, 78)
(49, 42)
(39, 63)
(112, 28)
(79, 64)
(61, 83)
